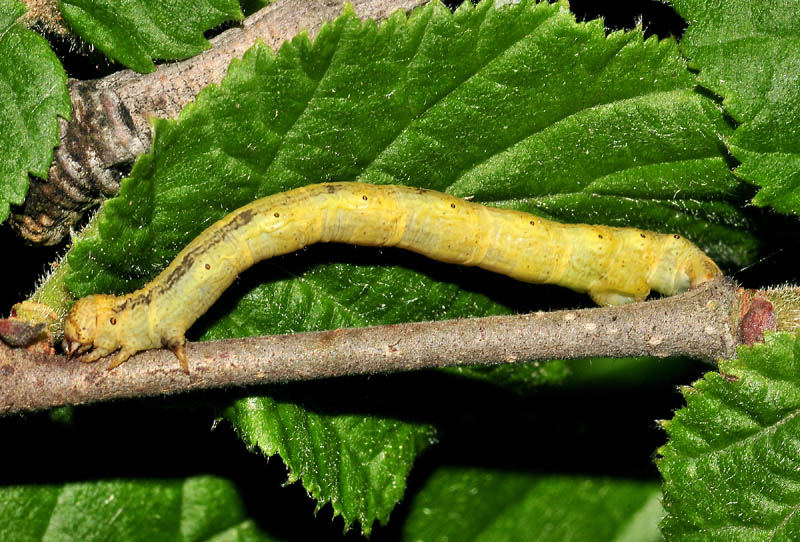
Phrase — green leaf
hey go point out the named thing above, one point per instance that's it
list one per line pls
(459, 503)
(521, 378)
(518, 106)
(749, 53)
(33, 93)
(730, 467)
(135, 33)
(197, 508)
(357, 463)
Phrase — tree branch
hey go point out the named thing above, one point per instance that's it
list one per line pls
(110, 124)
(703, 323)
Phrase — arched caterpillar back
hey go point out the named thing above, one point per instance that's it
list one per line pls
(613, 265)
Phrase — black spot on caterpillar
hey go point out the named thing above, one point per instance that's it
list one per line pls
(614, 265)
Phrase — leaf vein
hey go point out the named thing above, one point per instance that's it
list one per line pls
(456, 86)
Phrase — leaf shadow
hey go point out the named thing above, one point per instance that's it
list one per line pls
(516, 296)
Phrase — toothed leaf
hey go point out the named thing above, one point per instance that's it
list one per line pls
(136, 33)
(33, 94)
(731, 468)
(749, 53)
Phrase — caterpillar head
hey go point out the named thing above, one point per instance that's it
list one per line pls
(80, 329)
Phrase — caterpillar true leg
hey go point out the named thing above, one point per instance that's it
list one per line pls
(121, 357)
(96, 354)
(613, 265)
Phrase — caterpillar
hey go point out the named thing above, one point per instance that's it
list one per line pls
(613, 265)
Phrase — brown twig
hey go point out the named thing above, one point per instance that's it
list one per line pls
(110, 125)
(703, 323)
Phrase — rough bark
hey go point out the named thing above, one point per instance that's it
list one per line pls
(703, 323)
(110, 125)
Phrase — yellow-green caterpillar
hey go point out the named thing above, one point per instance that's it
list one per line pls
(614, 265)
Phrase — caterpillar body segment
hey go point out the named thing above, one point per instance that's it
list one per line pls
(613, 265)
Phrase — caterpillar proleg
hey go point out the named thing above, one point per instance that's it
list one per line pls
(613, 265)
